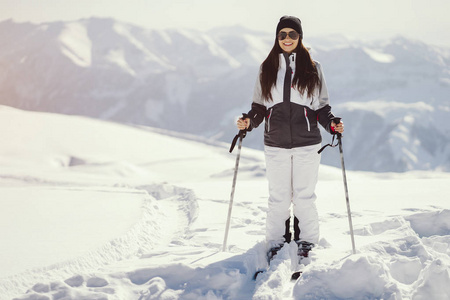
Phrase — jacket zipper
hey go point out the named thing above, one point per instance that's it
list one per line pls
(268, 120)
(307, 120)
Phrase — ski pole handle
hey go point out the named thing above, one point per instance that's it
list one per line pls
(241, 134)
(336, 121)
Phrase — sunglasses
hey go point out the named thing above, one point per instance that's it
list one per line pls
(283, 34)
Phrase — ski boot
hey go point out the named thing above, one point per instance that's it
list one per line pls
(273, 251)
(303, 248)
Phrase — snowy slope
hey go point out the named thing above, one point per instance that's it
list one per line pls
(96, 210)
(195, 82)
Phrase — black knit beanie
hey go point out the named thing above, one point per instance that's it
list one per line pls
(290, 22)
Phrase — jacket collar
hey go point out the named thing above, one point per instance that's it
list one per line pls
(292, 58)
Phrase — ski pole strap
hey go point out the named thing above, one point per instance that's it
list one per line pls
(330, 145)
(336, 120)
(242, 133)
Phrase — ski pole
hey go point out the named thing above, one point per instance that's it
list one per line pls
(350, 223)
(349, 214)
(240, 135)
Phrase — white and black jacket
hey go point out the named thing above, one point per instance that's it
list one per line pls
(291, 120)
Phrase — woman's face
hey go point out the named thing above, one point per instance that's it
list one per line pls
(288, 39)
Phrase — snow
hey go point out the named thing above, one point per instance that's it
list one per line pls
(383, 107)
(76, 44)
(216, 50)
(158, 65)
(379, 56)
(79, 211)
(99, 210)
(117, 57)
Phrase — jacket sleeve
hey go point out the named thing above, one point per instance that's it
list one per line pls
(324, 115)
(258, 111)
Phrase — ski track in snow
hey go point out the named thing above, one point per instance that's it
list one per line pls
(173, 250)
(162, 204)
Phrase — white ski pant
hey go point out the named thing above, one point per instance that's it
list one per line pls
(292, 176)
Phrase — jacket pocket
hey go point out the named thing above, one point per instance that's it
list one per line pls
(268, 119)
(307, 120)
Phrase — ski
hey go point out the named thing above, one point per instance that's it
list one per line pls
(303, 258)
(296, 275)
(257, 273)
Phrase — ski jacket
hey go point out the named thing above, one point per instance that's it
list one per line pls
(291, 120)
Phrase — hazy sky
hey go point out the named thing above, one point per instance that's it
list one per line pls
(426, 20)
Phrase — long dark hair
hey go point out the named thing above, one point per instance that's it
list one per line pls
(306, 78)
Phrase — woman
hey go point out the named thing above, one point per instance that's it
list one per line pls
(291, 96)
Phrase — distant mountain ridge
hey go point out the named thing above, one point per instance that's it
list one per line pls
(394, 95)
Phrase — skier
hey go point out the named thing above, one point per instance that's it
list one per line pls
(292, 97)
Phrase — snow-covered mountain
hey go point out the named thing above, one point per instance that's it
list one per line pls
(393, 94)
